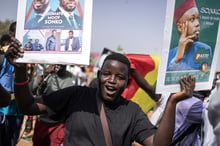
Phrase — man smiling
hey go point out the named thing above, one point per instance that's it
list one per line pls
(82, 107)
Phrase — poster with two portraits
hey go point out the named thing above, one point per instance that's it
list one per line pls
(55, 31)
(191, 44)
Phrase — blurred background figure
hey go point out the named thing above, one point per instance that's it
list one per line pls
(49, 132)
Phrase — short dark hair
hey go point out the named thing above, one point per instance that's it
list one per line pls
(119, 57)
(12, 27)
(5, 39)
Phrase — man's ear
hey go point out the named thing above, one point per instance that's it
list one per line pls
(179, 27)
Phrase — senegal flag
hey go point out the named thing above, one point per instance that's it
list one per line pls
(147, 66)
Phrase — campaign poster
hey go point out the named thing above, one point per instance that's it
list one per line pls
(190, 45)
(55, 31)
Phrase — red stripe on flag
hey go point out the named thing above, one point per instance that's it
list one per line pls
(143, 64)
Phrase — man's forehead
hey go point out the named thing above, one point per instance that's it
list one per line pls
(191, 12)
(182, 8)
(114, 63)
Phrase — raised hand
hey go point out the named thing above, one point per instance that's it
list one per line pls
(14, 52)
(184, 41)
(187, 86)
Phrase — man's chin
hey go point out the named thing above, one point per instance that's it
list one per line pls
(39, 10)
(71, 9)
(195, 39)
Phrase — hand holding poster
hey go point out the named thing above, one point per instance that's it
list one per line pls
(56, 32)
(190, 44)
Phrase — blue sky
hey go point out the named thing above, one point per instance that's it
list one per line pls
(136, 25)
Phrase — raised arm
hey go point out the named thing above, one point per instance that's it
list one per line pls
(164, 134)
(27, 104)
(150, 90)
(5, 97)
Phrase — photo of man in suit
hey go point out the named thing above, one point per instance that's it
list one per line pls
(72, 43)
(51, 41)
(70, 19)
(41, 9)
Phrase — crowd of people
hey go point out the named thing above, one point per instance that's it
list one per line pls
(64, 102)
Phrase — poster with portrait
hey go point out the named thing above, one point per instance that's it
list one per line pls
(191, 44)
(55, 31)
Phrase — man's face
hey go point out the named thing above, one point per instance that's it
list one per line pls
(59, 68)
(113, 79)
(68, 5)
(192, 16)
(70, 35)
(40, 5)
(54, 33)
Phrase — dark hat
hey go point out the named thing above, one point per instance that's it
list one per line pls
(182, 8)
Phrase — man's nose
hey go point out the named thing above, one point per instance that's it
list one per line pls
(112, 78)
(197, 22)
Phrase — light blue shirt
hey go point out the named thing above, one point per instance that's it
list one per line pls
(7, 82)
(193, 58)
(188, 112)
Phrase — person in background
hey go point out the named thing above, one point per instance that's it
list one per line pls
(5, 95)
(76, 104)
(12, 29)
(5, 42)
(188, 119)
(208, 136)
(49, 132)
(213, 112)
(10, 119)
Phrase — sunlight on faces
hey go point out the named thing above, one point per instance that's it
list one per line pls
(113, 79)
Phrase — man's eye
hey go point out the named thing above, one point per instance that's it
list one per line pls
(106, 73)
(121, 77)
(192, 19)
